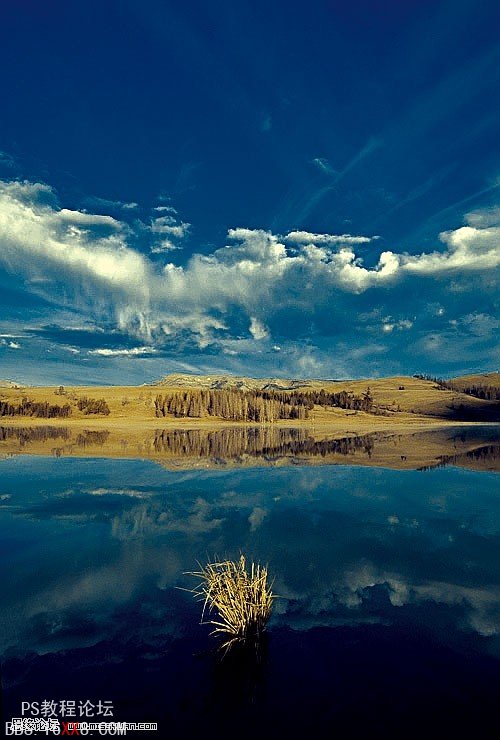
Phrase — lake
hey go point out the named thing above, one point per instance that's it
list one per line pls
(388, 617)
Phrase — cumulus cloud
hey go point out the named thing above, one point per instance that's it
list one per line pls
(468, 248)
(257, 329)
(92, 263)
(484, 217)
(482, 602)
(47, 247)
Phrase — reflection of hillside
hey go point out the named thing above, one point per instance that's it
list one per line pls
(263, 442)
(484, 457)
(474, 447)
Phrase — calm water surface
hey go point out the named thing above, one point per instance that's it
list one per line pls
(387, 623)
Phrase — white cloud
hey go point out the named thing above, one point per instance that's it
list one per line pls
(481, 603)
(257, 329)
(256, 517)
(306, 237)
(165, 209)
(66, 257)
(484, 217)
(129, 492)
(468, 248)
(81, 218)
(165, 245)
(168, 225)
(67, 264)
(9, 342)
(167, 229)
(134, 352)
(390, 324)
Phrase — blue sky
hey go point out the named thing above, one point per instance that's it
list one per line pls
(286, 188)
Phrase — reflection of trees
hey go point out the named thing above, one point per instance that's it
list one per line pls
(233, 443)
(485, 454)
(26, 435)
(257, 442)
(88, 437)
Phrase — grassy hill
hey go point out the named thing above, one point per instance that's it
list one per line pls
(477, 379)
(395, 399)
(400, 394)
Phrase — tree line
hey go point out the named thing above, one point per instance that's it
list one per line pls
(46, 410)
(341, 399)
(234, 405)
(40, 409)
(486, 392)
(478, 390)
(256, 406)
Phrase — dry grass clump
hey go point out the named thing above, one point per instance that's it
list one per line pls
(241, 599)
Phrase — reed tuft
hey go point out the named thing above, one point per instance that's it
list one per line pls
(240, 599)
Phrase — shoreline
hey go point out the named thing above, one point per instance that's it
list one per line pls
(410, 444)
(346, 424)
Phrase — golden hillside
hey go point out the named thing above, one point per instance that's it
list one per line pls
(395, 400)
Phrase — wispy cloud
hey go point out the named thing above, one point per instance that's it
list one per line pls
(324, 166)
(305, 237)
(303, 199)
(266, 123)
(133, 352)
(105, 204)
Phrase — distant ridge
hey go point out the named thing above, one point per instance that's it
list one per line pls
(491, 378)
(10, 384)
(226, 381)
(222, 382)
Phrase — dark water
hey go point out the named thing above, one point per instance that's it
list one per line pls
(387, 624)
